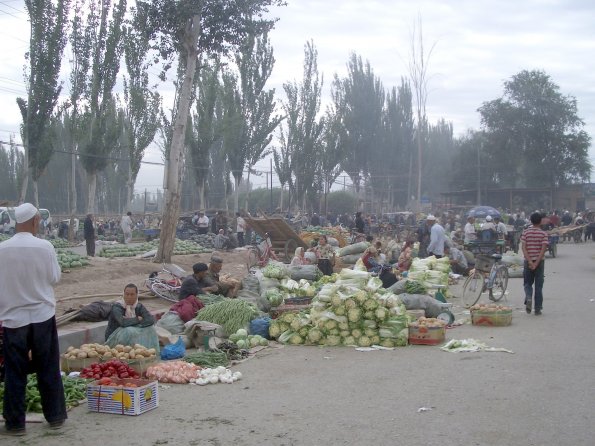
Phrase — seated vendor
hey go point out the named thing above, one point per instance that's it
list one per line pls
(299, 258)
(213, 279)
(370, 260)
(196, 283)
(325, 256)
(406, 256)
(221, 241)
(458, 261)
(130, 322)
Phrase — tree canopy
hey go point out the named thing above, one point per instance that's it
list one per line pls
(534, 136)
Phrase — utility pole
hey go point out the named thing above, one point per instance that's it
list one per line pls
(271, 160)
(479, 175)
(145, 205)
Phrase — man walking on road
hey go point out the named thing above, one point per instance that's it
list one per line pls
(535, 242)
(240, 229)
(89, 231)
(437, 237)
(28, 315)
(126, 225)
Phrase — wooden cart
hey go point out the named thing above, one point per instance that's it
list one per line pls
(283, 238)
(571, 232)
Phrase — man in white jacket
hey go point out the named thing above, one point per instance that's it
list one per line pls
(28, 315)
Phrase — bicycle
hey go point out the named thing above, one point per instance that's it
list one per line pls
(477, 282)
(259, 255)
(356, 237)
(167, 282)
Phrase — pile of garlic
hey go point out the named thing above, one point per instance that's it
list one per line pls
(216, 375)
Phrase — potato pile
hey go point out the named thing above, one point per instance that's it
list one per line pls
(429, 322)
(491, 308)
(99, 351)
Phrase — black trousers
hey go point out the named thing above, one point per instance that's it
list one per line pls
(240, 239)
(90, 247)
(42, 340)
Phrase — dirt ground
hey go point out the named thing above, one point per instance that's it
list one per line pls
(109, 276)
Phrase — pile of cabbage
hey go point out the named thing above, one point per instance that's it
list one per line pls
(353, 311)
(430, 271)
(285, 288)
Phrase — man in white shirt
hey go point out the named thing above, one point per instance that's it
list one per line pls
(126, 225)
(240, 229)
(489, 224)
(202, 223)
(470, 234)
(437, 237)
(27, 312)
(500, 228)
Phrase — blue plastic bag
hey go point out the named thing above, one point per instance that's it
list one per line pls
(174, 351)
(260, 327)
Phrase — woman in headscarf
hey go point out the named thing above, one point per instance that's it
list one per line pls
(325, 256)
(299, 258)
(130, 322)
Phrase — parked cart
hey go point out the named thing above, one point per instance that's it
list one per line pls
(283, 238)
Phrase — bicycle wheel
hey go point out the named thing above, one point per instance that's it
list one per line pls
(165, 291)
(498, 289)
(253, 258)
(472, 289)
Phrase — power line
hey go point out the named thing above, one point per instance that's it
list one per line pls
(12, 7)
(111, 158)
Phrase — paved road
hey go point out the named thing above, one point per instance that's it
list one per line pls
(543, 394)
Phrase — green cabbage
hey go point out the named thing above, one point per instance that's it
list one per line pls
(354, 315)
(364, 341)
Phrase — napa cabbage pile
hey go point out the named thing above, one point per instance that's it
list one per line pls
(275, 270)
(353, 311)
(430, 271)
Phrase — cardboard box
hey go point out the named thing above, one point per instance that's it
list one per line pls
(123, 400)
(427, 335)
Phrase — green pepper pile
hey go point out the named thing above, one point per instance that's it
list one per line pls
(74, 392)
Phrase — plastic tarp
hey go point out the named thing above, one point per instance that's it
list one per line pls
(356, 248)
(145, 336)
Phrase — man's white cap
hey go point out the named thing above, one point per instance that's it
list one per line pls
(430, 217)
(25, 212)
(489, 218)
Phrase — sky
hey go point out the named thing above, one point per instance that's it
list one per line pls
(477, 45)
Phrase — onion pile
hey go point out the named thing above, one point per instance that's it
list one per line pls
(176, 372)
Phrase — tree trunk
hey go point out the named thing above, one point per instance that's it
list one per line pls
(247, 202)
(419, 160)
(201, 195)
(172, 194)
(129, 189)
(25, 179)
(71, 230)
(236, 197)
(281, 199)
(92, 181)
(35, 192)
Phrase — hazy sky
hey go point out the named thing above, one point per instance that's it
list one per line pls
(478, 44)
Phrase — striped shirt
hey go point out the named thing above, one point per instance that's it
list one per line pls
(534, 239)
